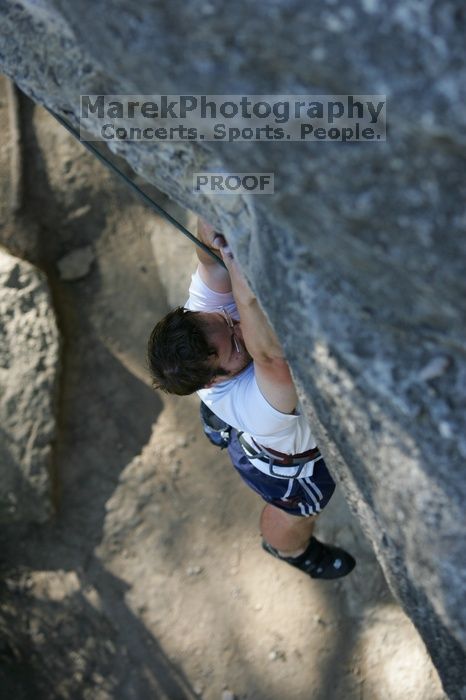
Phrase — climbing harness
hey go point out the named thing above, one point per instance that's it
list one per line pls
(148, 200)
(215, 429)
(219, 434)
(279, 459)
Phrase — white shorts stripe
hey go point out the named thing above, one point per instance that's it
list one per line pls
(311, 494)
(288, 490)
(316, 488)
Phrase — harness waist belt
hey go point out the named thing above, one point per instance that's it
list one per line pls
(285, 459)
(265, 454)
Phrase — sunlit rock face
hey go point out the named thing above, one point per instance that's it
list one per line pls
(358, 257)
(29, 365)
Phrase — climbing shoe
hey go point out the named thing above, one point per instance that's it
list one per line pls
(318, 560)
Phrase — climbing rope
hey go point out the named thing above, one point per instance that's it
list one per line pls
(148, 200)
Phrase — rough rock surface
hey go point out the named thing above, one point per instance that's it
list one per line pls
(29, 363)
(150, 581)
(358, 258)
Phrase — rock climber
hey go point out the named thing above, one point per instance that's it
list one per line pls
(221, 346)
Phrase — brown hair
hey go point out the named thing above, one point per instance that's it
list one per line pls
(179, 353)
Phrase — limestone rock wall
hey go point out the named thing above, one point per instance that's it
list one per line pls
(29, 366)
(358, 258)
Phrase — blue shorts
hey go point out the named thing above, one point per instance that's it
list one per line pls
(304, 497)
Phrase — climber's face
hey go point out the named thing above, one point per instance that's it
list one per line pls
(224, 334)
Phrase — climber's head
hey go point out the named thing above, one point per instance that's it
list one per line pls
(191, 350)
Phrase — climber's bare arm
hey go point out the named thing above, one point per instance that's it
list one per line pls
(270, 366)
(271, 369)
(214, 275)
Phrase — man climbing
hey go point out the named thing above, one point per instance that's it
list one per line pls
(221, 346)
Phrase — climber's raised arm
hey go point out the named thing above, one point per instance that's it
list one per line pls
(270, 366)
(214, 275)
